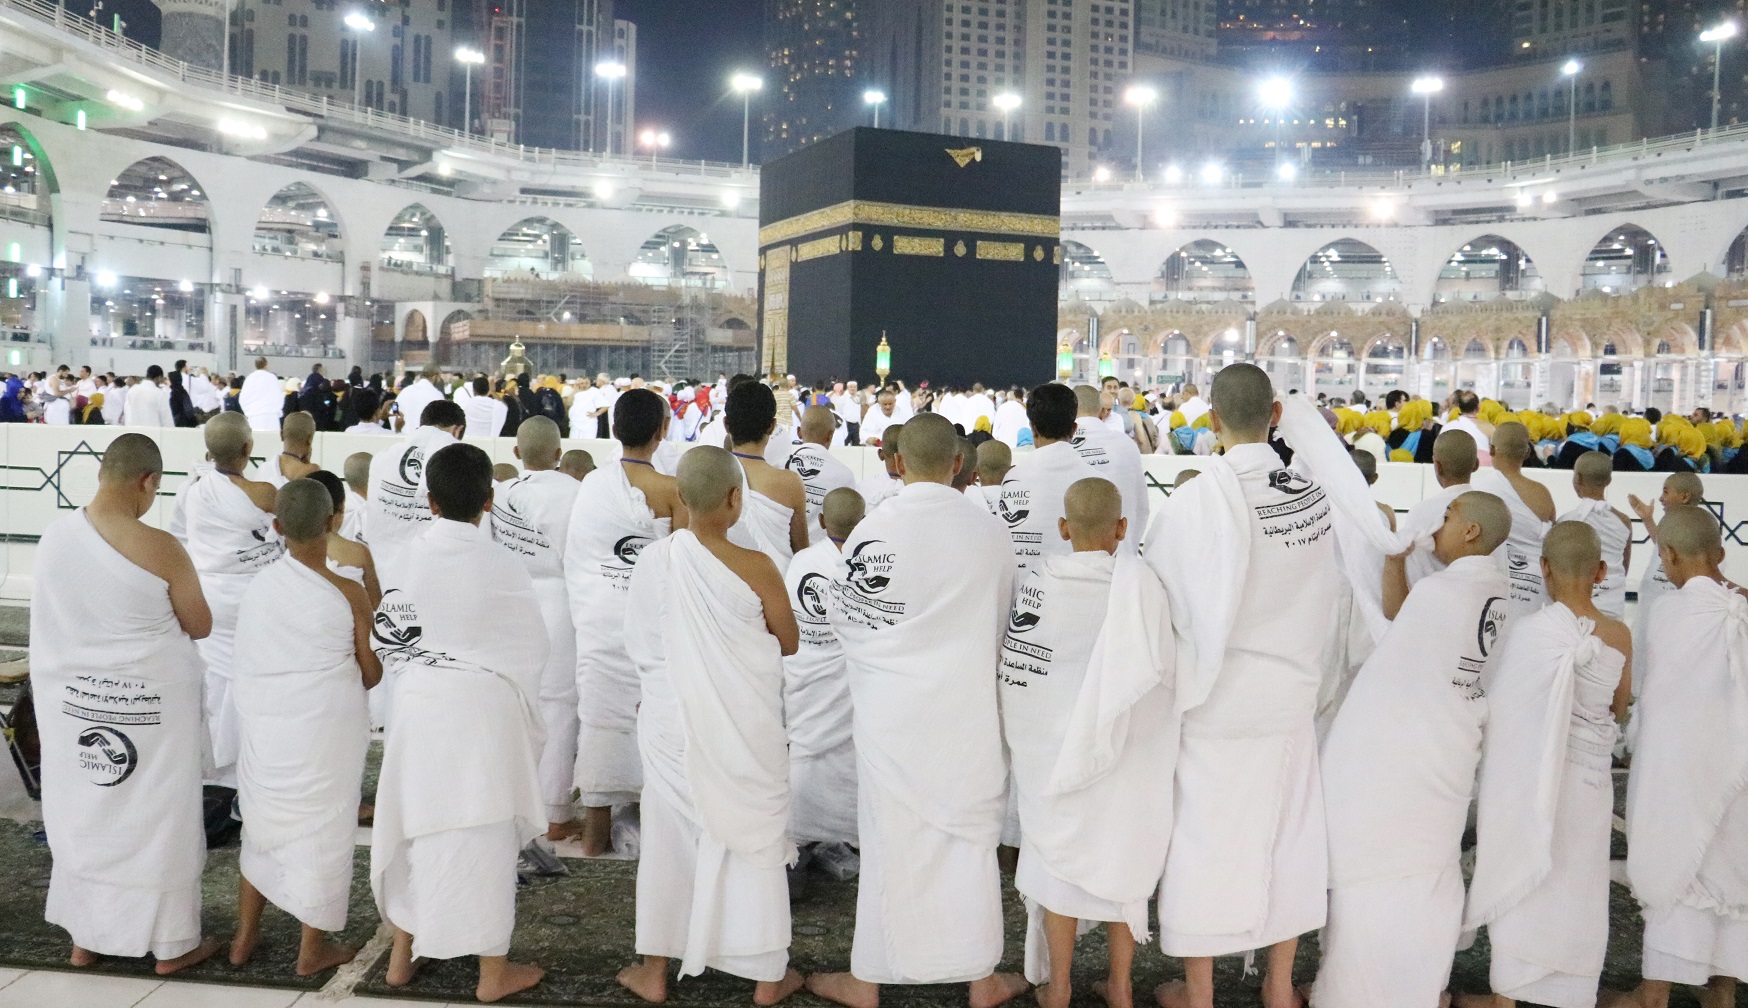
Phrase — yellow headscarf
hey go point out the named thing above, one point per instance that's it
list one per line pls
(1492, 412)
(1727, 434)
(1690, 442)
(1347, 421)
(1711, 433)
(1670, 428)
(1579, 419)
(1634, 431)
(982, 424)
(1174, 421)
(1204, 421)
(1401, 455)
(1608, 423)
(1380, 421)
(1414, 414)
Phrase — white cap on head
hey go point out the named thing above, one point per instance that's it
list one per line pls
(622, 383)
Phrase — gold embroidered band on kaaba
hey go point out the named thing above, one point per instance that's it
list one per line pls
(871, 214)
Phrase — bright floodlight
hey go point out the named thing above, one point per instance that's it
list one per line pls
(466, 55)
(1287, 171)
(1719, 33)
(1211, 173)
(358, 22)
(744, 82)
(1101, 174)
(1173, 174)
(610, 69)
(874, 96)
(1140, 95)
(1427, 85)
(1570, 68)
(1275, 92)
(1007, 101)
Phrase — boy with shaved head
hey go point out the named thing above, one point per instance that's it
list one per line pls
(994, 459)
(1453, 463)
(119, 691)
(1687, 810)
(821, 472)
(1030, 505)
(1252, 574)
(1546, 794)
(708, 625)
(357, 474)
(305, 728)
(459, 793)
(1532, 511)
(618, 511)
(816, 688)
(1089, 647)
(530, 516)
(1679, 490)
(226, 521)
(1399, 769)
(576, 464)
(297, 438)
(1112, 454)
(885, 482)
(1591, 474)
(919, 604)
(773, 518)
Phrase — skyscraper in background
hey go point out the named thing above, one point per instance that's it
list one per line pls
(814, 50)
(559, 43)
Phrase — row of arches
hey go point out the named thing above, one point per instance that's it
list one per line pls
(299, 221)
(1486, 267)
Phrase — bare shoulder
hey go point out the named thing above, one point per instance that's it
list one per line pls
(263, 494)
(353, 591)
(1624, 520)
(753, 567)
(1615, 634)
(153, 549)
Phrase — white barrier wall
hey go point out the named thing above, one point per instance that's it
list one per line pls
(49, 471)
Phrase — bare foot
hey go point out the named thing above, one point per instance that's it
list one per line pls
(996, 989)
(560, 831)
(1172, 994)
(1477, 1001)
(207, 948)
(1719, 993)
(647, 980)
(83, 957)
(366, 814)
(402, 967)
(325, 956)
(1053, 995)
(243, 945)
(513, 979)
(769, 992)
(845, 989)
(1276, 997)
(596, 835)
(1115, 995)
(1619, 999)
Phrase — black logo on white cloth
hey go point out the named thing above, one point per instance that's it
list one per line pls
(1289, 482)
(1022, 620)
(810, 595)
(395, 627)
(870, 567)
(412, 466)
(629, 548)
(1492, 622)
(106, 755)
(1016, 512)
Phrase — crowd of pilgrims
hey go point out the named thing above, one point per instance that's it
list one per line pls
(743, 663)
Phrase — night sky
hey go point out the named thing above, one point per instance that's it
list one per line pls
(686, 50)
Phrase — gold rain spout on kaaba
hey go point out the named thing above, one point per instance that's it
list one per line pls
(965, 155)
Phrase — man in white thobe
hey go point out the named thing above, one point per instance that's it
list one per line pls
(882, 415)
(1030, 500)
(305, 728)
(1532, 511)
(708, 627)
(415, 397)
(1113, 455)
(920, 608)
(117, 681)
(821, 472)
(485, 415)
(1546, 794)
(262, 398)
(1687, 807)
(1010, 419)
(1086, 701)
(225, 520)
(530, 516)
(1399, 770)
(459, 793)
(1252, 575)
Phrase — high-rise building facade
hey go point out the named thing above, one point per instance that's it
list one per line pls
(1181, 28)
(813, 49)
(401, 65)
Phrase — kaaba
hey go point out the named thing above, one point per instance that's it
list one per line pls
(947, 247)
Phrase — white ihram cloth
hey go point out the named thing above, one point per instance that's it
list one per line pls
(118, 707)
(1546, 809)
(1653, 585)
(148, 405)
(400, 509)
(485, 416)
(1521, 552)
(782, 441)
(230, 540)
(352, 525)
(875, 421)
(1611, 595)
(922, 642)
(530, 516)
(413, 399)
(1114, 455)
(1086, 702)
(610, 524)
(1030, 504)
(1252, 578)
(459, 794)
(1687, 795)
(1010, 420)
(820, 473)
(305, 731)
(262, 400)
(272, 473)
(763, 525)
(877, 487)
(711, 886)
(1398, 774)
(1418, 525)
(816, 706)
